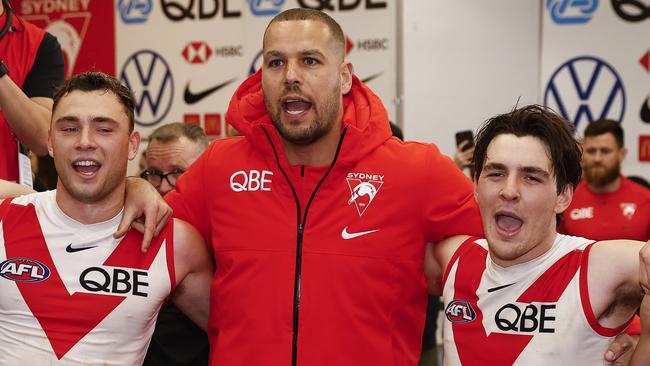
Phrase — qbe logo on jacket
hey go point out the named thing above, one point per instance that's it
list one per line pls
(251, 181)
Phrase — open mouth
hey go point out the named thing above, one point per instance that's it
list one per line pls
(508, 223)
(295, 106)
(86, 167)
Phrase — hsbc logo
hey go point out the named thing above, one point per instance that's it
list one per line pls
(460, 311)
(197, 52)
(200, 52)
(586, 88)
(149, 76)
(644, 148)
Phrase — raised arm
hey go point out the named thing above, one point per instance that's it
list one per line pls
(194, 271)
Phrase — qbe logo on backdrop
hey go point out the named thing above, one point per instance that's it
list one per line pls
(571, 11)
(148, 75)
(588, 88)
(134, 11)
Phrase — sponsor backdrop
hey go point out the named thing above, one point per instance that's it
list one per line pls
(184, 58)
(595, 64)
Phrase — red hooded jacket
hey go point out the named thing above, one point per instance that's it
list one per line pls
(321, 265)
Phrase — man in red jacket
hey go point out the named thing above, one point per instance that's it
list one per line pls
(316, 216)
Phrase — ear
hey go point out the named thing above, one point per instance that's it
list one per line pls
(347, 70)
(134, 144)
(564, 199)
(622, 153)
(49, 143)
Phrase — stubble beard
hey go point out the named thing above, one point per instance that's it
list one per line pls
(87, 195)
(324, 117)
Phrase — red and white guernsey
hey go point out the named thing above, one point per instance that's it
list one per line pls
(534, 313)
(73, 295)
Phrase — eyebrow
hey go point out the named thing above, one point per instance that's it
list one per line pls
(98, 119)
(525, 169)
(307, 52)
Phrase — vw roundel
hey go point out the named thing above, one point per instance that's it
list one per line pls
(460, 311)
(24, 270)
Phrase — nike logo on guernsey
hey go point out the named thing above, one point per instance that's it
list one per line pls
(346, 235)
(191, 98)
(499, 288)
(71, 249)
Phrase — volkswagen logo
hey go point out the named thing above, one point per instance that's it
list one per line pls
(586, 88)
(148, 75)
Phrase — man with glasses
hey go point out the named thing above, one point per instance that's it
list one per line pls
(172, 149)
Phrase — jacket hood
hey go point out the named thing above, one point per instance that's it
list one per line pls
(364, 116)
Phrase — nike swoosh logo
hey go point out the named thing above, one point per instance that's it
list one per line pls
(191, 98)
(499, 287)
(346, 235)
(70, 249)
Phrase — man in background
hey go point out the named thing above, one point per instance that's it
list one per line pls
(176, 341)
(606, 204)
(172, 149)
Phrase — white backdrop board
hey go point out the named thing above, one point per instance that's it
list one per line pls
(592, 67)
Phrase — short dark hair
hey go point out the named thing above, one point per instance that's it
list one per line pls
(542, 123)
(603, 126)
(311, 14)
(95, 80)
(173, 131)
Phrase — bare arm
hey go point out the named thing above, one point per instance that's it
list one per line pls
(142, 200)
(436, 259)
(194, 272)
(11, 189)
(29, 118)
(614, 293)
(641, 354)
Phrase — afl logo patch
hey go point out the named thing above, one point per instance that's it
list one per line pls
(460, 311)
(24, 270)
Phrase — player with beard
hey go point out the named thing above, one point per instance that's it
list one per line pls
(607, 205)
(72, 294)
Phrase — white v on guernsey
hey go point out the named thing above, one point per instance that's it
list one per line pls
(71, 294)
(534, 313)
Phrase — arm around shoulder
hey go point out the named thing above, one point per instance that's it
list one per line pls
(437, 257)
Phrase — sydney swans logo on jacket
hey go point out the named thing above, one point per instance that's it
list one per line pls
(363, 189)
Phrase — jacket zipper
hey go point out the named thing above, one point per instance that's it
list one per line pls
(299, 237)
